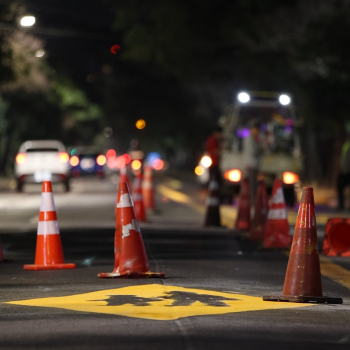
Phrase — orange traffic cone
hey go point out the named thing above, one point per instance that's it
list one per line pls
(124, 175)
(129, 251)
(212, 217)
(49, 252)
(302, 283)
(336, 241)
(257, 230)
(277, 228)
(243, 216)
(147, 188)
(138, 198)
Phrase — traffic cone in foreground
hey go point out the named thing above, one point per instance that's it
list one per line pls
(243, 216)
(302, 283)
(138, 198)
(257, 230)
(147, 188)
(129, 251)
(277, 228)
(49, 252)
(212, 217)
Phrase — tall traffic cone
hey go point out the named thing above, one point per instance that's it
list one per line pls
(257, 230)
(243, 216)
(147, 188)
(212, 217)
(49, 252)
(277, 228)
(129, 250)
(138, 198)
(302, 283)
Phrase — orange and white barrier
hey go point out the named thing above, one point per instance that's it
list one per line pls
(49, 252)
(130, 258)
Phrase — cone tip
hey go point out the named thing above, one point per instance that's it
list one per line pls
(307, 195)
(47, 186)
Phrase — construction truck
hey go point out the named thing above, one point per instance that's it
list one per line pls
(280, 145)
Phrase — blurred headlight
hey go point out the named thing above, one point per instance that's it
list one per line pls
(199, 170)
(74, 161)
(243, 97)
(284, 100)
(101, 160)
(233, 175)
(21, 158)
(290, 178)
(158, 164)
(63, 157)
(206, 161)
(136, 164)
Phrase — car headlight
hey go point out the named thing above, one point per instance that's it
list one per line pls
(233, 175)
(206, 161)
(290, 178)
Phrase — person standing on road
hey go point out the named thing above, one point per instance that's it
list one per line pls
(344, 174)
(252, 151)
(213, 150)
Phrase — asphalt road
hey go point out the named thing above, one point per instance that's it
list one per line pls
(210, 298)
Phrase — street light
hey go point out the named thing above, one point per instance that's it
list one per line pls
(284, 100)
(27, 21)
(243, 97)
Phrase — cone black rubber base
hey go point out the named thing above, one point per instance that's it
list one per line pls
(302, 299)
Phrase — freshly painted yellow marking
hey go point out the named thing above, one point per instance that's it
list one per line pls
(154, 301)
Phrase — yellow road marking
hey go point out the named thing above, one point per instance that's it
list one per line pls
(335, 272)
(158, 302)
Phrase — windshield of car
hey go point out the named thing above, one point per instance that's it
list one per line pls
(275, 125)
(29, 150)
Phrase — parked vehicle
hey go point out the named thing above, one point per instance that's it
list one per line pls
(41, 160)
(280, 149)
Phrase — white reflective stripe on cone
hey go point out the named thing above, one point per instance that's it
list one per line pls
(137, 197)
(212, 201)
(278, 197)
(47, 203)
(48, 228)
(277, 214)
(125, 201)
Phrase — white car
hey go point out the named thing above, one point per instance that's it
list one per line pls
(39, 161)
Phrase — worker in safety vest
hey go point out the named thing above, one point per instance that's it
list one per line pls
(344, 174)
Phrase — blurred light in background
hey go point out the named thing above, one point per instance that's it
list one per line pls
(151, 157)
(233, 175)
(243, 133)
(120, 162)
(290, 178)
(206, 161)
(74, 161)
(284, 100)
(158, 164)
(243, 97)
(63, 157)
(289, 122)
(115, 49)
(101, 160)
(40, 53)
(108, 131)
(21, 158)
(87, 164)
(111, 153)
(136, 164)
(140, 124)
(27, 21)
(199, 170)
(127, 158)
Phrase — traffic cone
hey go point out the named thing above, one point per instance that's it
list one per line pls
(302, 283)
(243, 216)
(277, 228)
(212, 217)
(336, 241)
(147, 188)
(49, 252)
(138, 198)
(129, 251)
(124, 175)
(257, 230)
